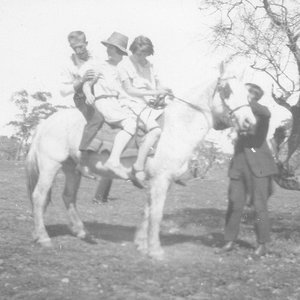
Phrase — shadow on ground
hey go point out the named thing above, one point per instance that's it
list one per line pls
(210, 219)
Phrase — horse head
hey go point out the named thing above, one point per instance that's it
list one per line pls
(233, 98)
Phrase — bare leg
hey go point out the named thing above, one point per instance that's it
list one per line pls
(138, 174)
(69, 196)
(40, 200)
(113, 163)
(150, 139)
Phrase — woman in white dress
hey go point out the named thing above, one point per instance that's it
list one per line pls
(141, 86)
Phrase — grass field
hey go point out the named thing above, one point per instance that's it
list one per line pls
(192, 233)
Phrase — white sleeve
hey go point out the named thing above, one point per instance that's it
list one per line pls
(67, 79)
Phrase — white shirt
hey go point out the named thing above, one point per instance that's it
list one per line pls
(73, 70)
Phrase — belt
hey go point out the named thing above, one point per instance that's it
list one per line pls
(106, 96)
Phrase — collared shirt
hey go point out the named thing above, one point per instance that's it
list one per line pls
(73, 70)
(108, 83)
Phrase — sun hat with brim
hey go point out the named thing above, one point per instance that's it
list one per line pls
(118, 40)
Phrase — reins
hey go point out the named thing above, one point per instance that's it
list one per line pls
(237, 108)
(194, 106)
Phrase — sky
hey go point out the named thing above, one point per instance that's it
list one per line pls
(34, 44)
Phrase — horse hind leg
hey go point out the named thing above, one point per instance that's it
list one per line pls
(40, 199)
(72, 183)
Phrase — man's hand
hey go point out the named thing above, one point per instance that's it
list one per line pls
(161, 93)
(90, 99)
(89, 75)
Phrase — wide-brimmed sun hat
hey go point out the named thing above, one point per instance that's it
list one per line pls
(118, 40)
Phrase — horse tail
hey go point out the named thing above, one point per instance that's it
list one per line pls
(32, 168)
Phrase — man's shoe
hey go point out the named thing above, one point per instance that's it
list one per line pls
(261, 250)
(228, 246)
(85, 172)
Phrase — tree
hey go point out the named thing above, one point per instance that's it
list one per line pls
(32, 108)
(267, 32)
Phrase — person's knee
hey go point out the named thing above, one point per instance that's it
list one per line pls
(260, 205)
(155, 132)
(96, 118)
(129, 126)
(237, 205)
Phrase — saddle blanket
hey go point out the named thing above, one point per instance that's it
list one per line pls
(104, 140)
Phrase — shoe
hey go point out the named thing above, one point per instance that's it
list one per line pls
(85, 172)
(135, 180)
(117, 170)
(99, 201)
(180, 182)
(261, 250)
(228, 246)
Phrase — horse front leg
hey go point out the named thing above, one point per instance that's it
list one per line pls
(141, 235)
(40, 199)
(72, 184)
(158, 194)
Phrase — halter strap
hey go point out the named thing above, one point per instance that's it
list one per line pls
(237, 108)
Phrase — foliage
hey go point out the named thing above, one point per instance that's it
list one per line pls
(206, 156)
(32, 108)
(266, 31)
(8, 148)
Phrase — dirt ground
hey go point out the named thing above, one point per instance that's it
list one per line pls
(113, 269)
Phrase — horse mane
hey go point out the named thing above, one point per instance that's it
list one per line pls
(199, 96)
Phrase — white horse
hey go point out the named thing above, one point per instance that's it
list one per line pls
(186, 122)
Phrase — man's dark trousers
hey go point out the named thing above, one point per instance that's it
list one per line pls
(94, 120)
(94, 123)
(259, 188)
(250, 172)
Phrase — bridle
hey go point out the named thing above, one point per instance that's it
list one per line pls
(218, 88)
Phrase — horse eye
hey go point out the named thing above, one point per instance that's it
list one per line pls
(225, 91)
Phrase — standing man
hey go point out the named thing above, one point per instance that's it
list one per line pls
(250, 172)
(81, 68)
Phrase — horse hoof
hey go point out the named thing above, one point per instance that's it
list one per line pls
(89, 239)
(157, 254)
(45, 243)
(142, 248)
(100, 201)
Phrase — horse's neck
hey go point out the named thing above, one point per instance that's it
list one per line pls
(184, 124)
(183, 114)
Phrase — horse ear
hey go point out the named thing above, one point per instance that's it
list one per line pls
(242, 75)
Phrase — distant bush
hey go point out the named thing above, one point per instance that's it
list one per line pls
(207, 156)
(8, 148)
(32, 108)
